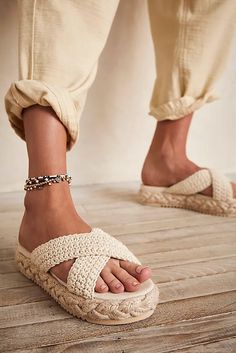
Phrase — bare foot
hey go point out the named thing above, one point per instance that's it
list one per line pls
(50, 213)
(161, 171)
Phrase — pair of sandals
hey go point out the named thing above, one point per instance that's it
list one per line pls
(92, 250)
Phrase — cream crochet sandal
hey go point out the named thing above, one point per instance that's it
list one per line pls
(92, 251)
(184, 194)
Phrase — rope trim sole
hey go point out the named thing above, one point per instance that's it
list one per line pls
(98, 311)
(198, 203)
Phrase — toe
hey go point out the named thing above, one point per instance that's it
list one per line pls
(130, 283)
(141, 273)
(101, 286)
(113, 283)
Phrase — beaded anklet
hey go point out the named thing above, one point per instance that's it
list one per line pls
(39, 182)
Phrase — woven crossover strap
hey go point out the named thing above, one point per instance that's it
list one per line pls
(200, 180)
(90, 251)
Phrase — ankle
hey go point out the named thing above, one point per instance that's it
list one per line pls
(169, 158)
(49, 197)
(166, 169)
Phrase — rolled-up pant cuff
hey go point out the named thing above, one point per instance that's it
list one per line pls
(25, 93)
(180, 107)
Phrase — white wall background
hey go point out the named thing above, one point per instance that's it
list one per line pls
(115, 129)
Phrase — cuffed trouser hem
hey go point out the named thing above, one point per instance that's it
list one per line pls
(60, 43)
(181, 107)
(192, 41)
(25, 93)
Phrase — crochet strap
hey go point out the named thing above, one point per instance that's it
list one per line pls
(200, 180)
(222, 188)
(91, 250)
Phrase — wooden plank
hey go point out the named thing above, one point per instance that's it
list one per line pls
(158, 224)
(13, 280)
(165, 241)
(86, 337)
(193, 260)
(156, 261)
(125, 234)
(22, 295)
(169, 292)
(165, 258)
(167, 273)
(8, 241)
(125, 221)
(11, 201)
(179, 233)
(197, 287)
(224, 346)
(88, 194)
(25, 314)
(188, 243)
(18, 289)
(186, 256)
(194, 270)
(7, 254)
(180, 310)
(8, 267)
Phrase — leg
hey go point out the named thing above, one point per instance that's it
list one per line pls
(188, 69)
(43, 108)
(168, 152)
(59, 46)
(50, 212)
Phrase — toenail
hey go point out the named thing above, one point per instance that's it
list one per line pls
(103, 286)
(118, 285)
(140, 268)
(135, 283)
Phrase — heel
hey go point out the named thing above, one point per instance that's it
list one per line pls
(147, 198)
(26, 267)
(23, 264)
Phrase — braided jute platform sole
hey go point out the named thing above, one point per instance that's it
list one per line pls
(156, 196)
(126, 309)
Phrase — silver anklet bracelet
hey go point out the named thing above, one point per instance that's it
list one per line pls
(39, 182)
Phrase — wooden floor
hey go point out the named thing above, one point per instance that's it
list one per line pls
(193, 258)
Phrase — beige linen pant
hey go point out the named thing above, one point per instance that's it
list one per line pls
(60, 42)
